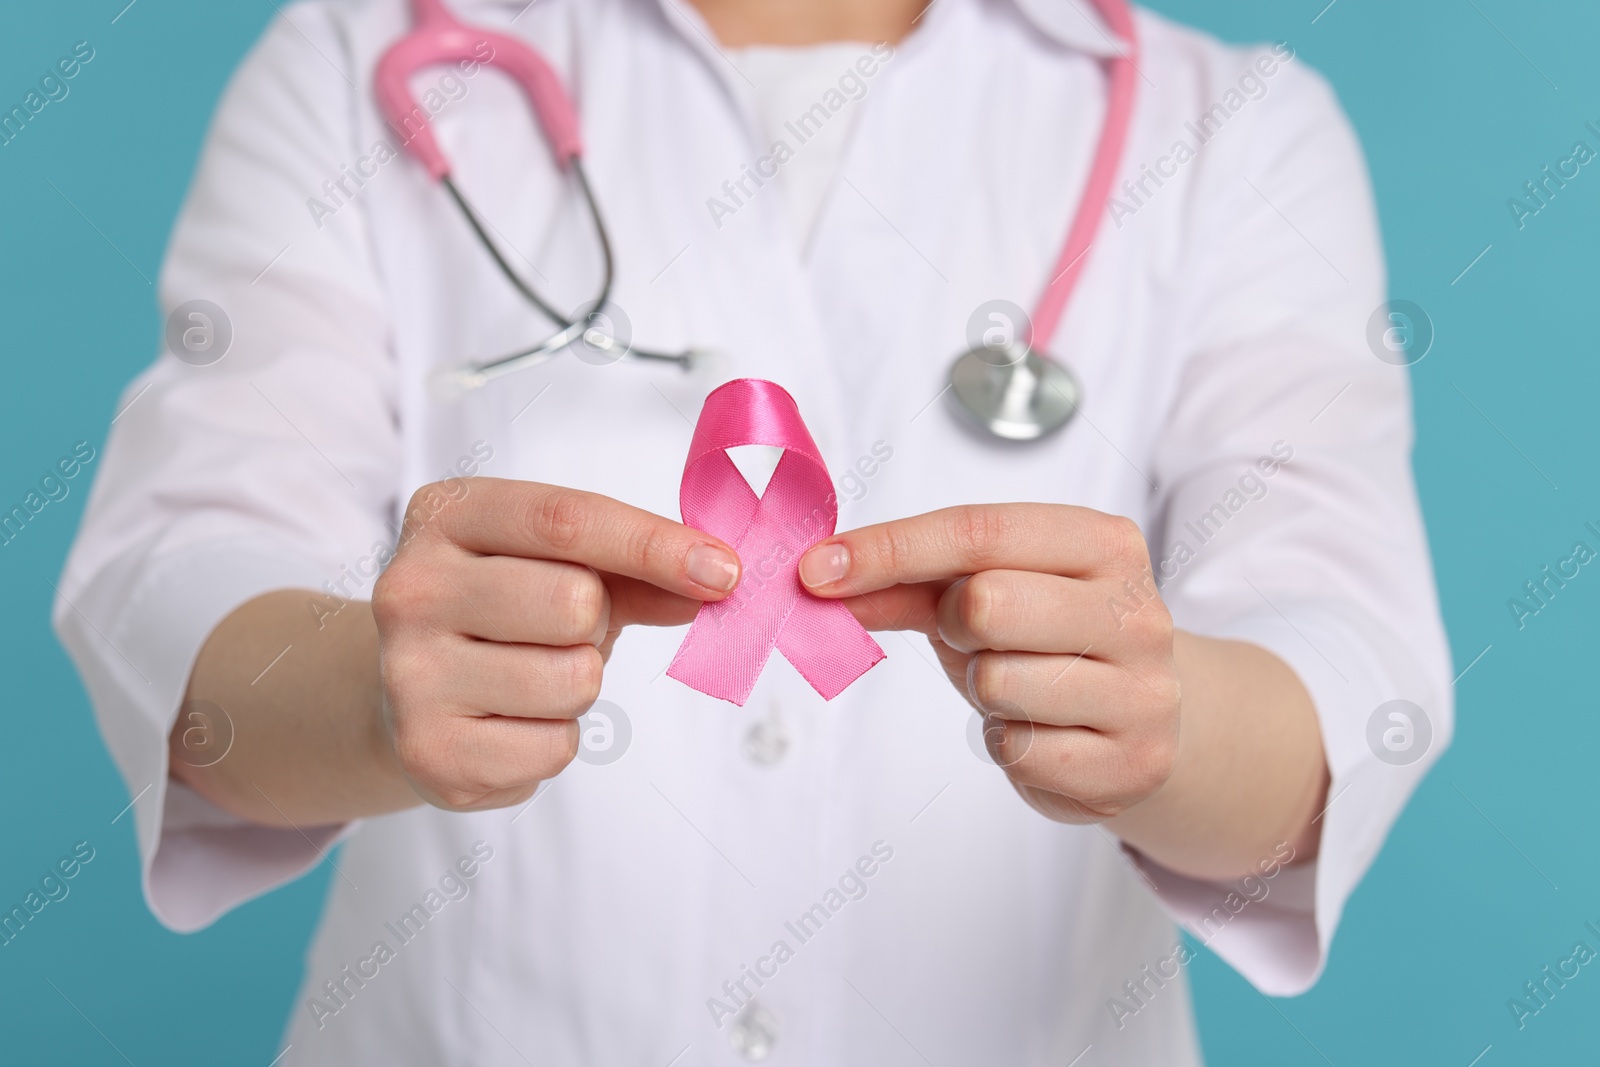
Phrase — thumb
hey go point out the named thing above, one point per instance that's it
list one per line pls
(639, 603)
(899, 607)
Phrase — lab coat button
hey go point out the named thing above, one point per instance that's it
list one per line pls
(754, 1033)
(767, 740)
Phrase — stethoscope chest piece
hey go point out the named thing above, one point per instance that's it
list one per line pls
(1013, 392)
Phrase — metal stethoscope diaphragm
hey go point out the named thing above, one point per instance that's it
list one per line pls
(1013, 392)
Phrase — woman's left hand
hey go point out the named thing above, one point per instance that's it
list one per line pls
(1046, 618)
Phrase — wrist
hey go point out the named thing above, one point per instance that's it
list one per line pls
(1249, 776)
(381, 754)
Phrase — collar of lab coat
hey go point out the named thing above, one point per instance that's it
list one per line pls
(1073, 23)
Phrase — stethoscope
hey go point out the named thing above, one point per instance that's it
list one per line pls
(440, 38)
(1005, 385)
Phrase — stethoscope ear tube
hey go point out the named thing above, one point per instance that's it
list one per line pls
(1122, 75)
(570, 327)
(438, 37)
(579, 327)
(511, 276)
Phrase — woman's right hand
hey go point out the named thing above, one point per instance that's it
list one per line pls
(496, 616)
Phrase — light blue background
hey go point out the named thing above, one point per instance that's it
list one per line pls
(1462, 906)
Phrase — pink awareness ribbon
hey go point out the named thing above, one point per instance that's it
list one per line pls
(730, 641)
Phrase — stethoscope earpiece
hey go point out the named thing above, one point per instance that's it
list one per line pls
(447, 385)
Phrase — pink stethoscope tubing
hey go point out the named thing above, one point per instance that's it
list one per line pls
(439, 38)
(1121, 75)
(1009, 387)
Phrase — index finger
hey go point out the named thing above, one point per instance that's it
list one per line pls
(951, 543)
(499, 517)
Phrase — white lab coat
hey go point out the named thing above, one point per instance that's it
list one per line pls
(1223, 314)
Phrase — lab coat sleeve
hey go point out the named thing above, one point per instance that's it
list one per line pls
(274, 467)
(1288, 512)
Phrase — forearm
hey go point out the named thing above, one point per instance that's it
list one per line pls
(1250, 773)
(309, 744)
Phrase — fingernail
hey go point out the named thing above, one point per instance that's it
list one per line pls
(824, 565)
(713, 567)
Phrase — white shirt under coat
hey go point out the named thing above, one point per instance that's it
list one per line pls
(1219, 331)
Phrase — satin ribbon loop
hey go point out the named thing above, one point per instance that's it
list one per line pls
(730, 641)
